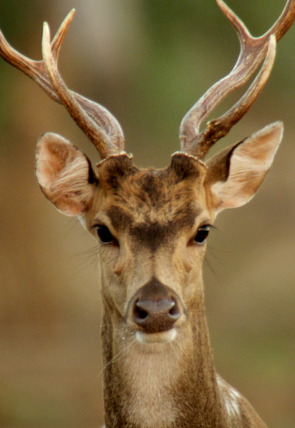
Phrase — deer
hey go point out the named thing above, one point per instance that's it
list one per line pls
(152, 227)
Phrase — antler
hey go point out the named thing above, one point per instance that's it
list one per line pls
(97, 122)
(253, 51)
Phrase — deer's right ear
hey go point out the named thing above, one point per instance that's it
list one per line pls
(64, 174)
(235, 174)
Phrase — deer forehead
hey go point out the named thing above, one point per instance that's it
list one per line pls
(150, 202)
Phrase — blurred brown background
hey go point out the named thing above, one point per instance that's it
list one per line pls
(147, 61)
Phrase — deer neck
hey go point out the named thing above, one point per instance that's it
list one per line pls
(168, 385)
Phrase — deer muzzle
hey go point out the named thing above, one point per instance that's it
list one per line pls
(155, 308)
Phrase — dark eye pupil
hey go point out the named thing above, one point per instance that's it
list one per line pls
(202, 235)
(104, 234)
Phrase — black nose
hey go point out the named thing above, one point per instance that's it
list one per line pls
(155, 308)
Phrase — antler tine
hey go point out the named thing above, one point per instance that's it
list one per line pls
(36, 69)
(284, 22)
(105, 133)
(252, 52)
(61, 33)
(218, 128)
(96, 134)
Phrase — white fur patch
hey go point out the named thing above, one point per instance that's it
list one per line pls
(230, 398)
(150, 370)
(231, 403)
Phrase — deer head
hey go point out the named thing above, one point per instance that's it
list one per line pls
(152, 225)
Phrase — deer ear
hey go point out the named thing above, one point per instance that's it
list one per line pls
(64, 174)
(235, 174)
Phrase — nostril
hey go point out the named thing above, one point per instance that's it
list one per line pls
(174, 311)
(139, 313)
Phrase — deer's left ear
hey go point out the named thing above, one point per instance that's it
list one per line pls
(64, 174)
(235, 174)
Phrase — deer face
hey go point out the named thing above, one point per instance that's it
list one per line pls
(152, 225)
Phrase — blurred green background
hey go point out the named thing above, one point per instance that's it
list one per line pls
(147, 61)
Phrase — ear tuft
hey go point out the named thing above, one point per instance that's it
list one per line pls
(235, 174)
(63, 173)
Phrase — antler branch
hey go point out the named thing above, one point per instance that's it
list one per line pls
(253, 51)
(97, 122)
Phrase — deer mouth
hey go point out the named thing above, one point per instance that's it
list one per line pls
(160, 337)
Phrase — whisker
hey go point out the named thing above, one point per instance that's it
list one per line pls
(120, 354)
(86, 258)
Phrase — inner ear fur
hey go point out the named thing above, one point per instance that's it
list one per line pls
(64, 174)
(235, 174)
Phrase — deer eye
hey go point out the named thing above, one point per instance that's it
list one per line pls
(104, 234)
(202, 234)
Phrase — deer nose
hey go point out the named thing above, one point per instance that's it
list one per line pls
(155, 308)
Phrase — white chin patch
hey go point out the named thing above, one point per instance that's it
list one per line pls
(163, 337)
